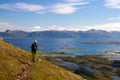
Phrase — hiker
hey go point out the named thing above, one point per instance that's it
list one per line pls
(34, 50)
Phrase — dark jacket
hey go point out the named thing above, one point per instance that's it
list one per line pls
(34, 47)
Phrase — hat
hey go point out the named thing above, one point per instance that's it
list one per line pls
(35, 41)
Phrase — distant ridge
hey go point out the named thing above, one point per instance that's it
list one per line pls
(60, 34)
(15, 64)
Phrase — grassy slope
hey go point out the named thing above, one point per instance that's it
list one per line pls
(15, 64)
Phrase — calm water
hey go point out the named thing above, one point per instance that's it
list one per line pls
(68, 45)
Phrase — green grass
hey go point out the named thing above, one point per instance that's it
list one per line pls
(101, 64)
(15, 63)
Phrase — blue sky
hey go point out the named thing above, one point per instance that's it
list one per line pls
(37, 15)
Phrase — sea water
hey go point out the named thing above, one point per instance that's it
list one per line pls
(67, 45)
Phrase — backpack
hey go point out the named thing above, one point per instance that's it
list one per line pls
(34, 47)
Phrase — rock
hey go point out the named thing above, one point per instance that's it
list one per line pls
(40, 60)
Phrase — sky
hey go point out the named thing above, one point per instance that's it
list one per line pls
(75, 15)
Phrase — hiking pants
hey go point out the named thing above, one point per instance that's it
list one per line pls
(33, 56)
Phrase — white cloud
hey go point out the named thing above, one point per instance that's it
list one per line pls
(22, 7)
(9, 26)
(76, 1)
(61, 8)
(114, 26)
(94, 0)
(30, 7)
(112, 3)
(71, 1)
(107, 27)
(6, 25)
(114, 18)
(41, 28)
(66, 7)
(35, 28)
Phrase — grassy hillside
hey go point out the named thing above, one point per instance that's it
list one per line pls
(15, 64)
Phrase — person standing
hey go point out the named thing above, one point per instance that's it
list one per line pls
(34, 50)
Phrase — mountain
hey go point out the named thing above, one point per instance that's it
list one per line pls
(15, 64)
(61, 34)
(96, 33)
(15, 33)
(52, 34)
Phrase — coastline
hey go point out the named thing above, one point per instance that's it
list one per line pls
(90, 66)
(110, 55)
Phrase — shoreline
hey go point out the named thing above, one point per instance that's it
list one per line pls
(108, 42)
(110, 55)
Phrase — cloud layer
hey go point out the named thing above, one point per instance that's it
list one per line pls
(115, 26)
(22, 7)
(6, 25)
(114, 18)
(107, 27)
(112, 3)
(65, 7)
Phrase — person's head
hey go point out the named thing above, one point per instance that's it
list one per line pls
(35, 41)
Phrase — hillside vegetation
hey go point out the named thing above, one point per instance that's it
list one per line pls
(15, 64)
